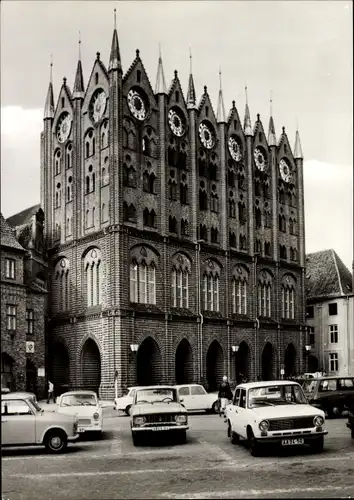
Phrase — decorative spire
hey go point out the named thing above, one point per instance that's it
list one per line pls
(79, 88)
(220, 116)
(49, 102)
(160, 87)
(114, 59)
(272, 140)
(191, 100)
(247, 123)
(297, 148)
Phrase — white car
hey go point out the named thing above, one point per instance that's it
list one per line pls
(24, 423)
(86, 406)
(124, 402)
(274, 412)
(194, 397)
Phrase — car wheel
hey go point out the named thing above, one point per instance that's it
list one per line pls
(182, 437)
(56, 441)
(252, 444)
(127, 410)
(234, 437)
(317, 445)
(216, 407)
(136, 439)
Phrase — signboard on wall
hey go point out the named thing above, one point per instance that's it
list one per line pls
(41, 372)
(29, 347)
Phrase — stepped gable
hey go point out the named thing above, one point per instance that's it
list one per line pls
(7, 234)
(326, 275)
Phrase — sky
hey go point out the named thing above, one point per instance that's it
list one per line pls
(300, 52)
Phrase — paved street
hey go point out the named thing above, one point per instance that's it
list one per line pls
(208, 466)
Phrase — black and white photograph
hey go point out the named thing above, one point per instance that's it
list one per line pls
(177, 257)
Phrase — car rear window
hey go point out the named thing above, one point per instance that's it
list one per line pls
(328, 385)
(346, 383)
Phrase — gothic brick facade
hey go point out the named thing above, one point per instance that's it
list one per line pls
(175, 236)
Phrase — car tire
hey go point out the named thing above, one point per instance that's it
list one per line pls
(216, 407)
(234, 437)
(317, 445)
(136, 439)
(182, 437)
(56, 441)
(252, 444)
(127, 410)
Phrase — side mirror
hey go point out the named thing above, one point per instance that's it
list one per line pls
(181, 400)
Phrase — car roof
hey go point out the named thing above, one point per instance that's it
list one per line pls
(186, 385)
(16, 395)
(266, 383)
(331, 377)
(79, 391)
(157, 387)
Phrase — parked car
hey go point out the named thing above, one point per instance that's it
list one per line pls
(274, 412)
(195, 397)
(86, 406)
(23, 422)
(158, 410)
(124, 402)
(331, 394)
(350, 423)
(5, 390)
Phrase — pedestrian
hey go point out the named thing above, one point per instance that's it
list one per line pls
(50, 392)
(225, 394)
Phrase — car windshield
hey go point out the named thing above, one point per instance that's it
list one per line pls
(79, 400)
(274, 395)
(163, 395)
(309, 385)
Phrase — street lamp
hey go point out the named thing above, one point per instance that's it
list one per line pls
(134, 347)
(307, 348)
(234, 349)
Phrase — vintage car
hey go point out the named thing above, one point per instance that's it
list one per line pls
(124, 402)
(86, 406)
(350, 423)
(196, 398)
(23, 394)
(23, 422)
(158, 410)
(275, 412)
(332, 394)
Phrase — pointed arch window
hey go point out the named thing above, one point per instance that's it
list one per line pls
(288, 300)
(179, 284)
(203, 232)
(104, 213)
(57, 162)
(239, 295)
(267, 219)
(69, 156)
(232, 206)
(58, 196)
(184, 227)
(214, 199)
(143, 283)
(211, 292)
(241, 213)
(62, 286)
(243, 242)
(258, 218)
(232, 240)
(214, 235)
(93, 277)
(264, 290)
(203, 199)
(183, 190)
(69, 190)
(172, 224)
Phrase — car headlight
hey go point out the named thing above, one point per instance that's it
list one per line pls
(139, 420)
(96, 415)
(181, 419)
(318, 421)
(264, 425)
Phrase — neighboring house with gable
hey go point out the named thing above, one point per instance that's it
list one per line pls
(23, 301)
(330, 314)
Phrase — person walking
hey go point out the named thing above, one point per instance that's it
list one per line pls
(50, 392)
(225, 394)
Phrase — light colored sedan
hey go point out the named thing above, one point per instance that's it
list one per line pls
(86, 406)
(125, 402)
(24, 423)
(195, 397)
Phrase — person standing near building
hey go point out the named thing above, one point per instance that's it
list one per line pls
(50, 392)
(225, 394)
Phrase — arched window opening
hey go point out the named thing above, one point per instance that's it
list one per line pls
(184, 227)
(203, 232)
(203, 200)
(239, 296)
(214, 235)
(210, 292)
(96, 78)
(232, 240)
(93, 277)
(143, 283)
(179, 285)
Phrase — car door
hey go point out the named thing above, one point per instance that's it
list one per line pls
(346, 392)
(185, 394)
(233, 414)
(199, 398)
(18, 423)
(242, 413)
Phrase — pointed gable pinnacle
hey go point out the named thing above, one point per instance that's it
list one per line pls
(272, 139)
(247, 128)
(160, 87)
(220, 116)
(114, 59)
(49, 102)
(191, 99)
(79, 88)
(297, 148)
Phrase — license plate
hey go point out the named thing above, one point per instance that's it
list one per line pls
(81, 429)
(291, 442)
(160, 428)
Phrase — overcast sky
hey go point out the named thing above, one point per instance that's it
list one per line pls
(301, 51)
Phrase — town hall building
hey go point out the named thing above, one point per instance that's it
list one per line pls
(175, 235)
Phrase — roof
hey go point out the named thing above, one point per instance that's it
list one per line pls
(156, 387)
(8, 238)
(326, 275)
(23, 217)
(267, 383)
(79, 391)
(18, 395)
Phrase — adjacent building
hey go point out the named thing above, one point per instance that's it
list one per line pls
(23, 302)
(175, 235)
(330, 314)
